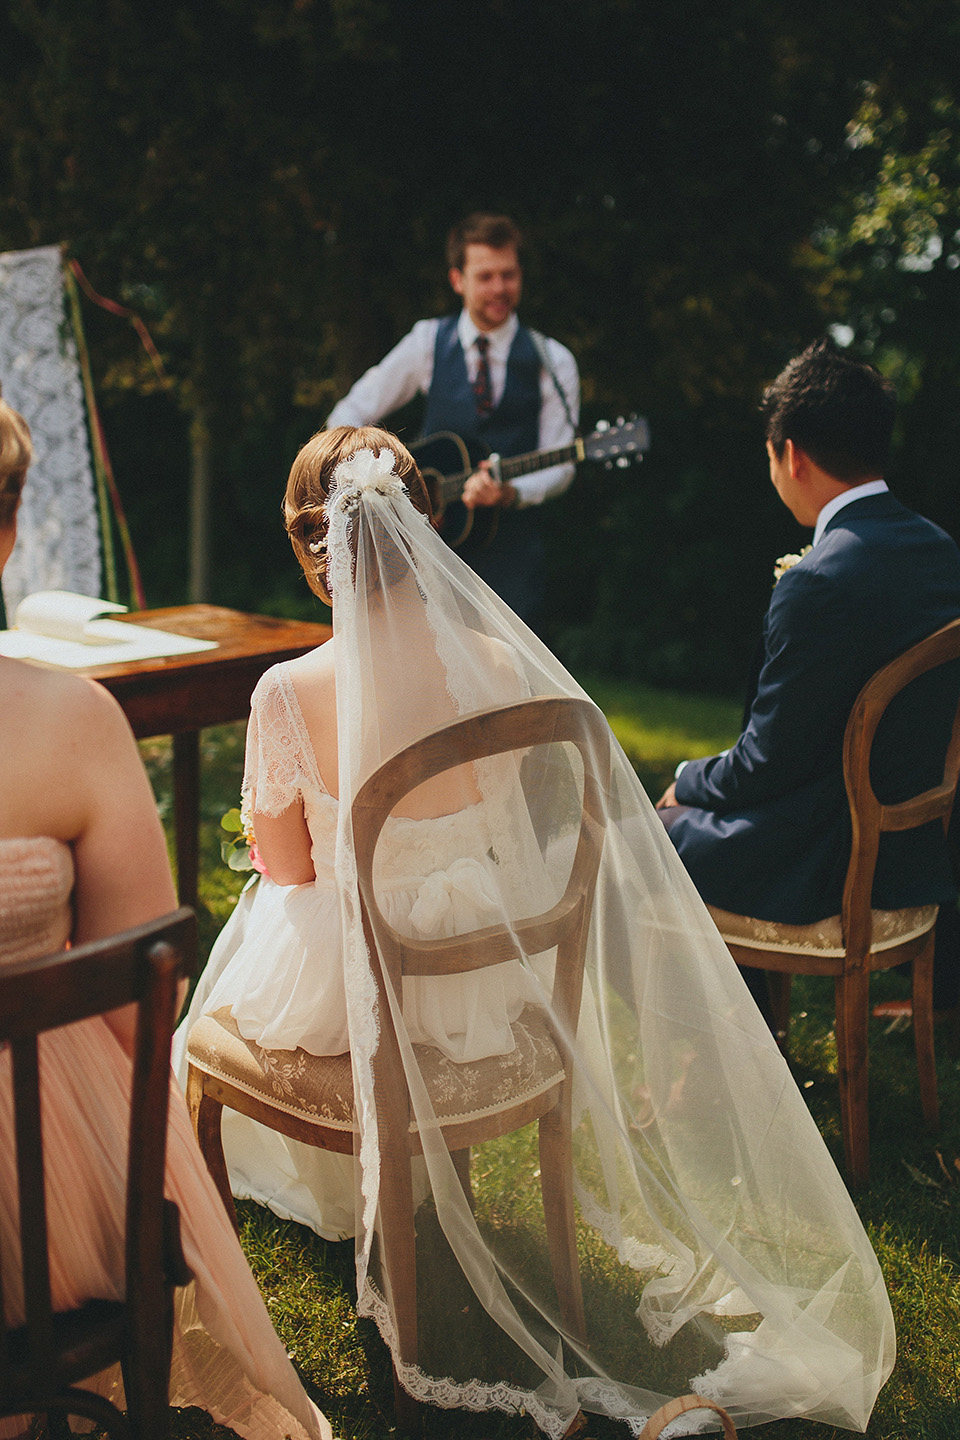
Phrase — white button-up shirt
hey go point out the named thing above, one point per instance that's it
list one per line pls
(846, 497)
(408, 370)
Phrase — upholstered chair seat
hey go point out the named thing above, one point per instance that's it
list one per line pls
(824, 937)
(318, 1089)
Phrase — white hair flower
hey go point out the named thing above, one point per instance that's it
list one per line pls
(364, 471)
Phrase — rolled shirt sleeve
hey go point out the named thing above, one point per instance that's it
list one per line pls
(402, 373)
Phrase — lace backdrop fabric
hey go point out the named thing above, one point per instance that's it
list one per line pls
(58, 537)
(719, 1249)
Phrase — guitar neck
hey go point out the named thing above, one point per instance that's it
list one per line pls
(539, 460)
(452, 485)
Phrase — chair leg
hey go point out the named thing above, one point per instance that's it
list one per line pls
(399, 1248)
(852, 998)
(923, 1035)
(780, 984)
(146, 1375)
(206, 1114)
(58, 1425)
(148, 1412)
(408, 1411)
(73, 1401)
(556, 1183)
(461, 1163)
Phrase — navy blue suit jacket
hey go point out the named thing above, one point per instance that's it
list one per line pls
(770, 834)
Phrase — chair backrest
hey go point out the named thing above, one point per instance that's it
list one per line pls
(142, 967)
(869, 816)
(516, 727)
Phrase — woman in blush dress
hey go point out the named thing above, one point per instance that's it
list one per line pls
(726, 1255)
(82, 855)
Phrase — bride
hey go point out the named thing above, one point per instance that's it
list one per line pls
(718, 1247)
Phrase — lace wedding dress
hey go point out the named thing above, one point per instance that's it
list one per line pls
(226, 1356)
(278, 965)
(719, 1250)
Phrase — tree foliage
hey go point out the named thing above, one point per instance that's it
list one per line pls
(703, 187)
(889, 258)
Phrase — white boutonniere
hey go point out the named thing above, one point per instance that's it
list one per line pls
(787, 562)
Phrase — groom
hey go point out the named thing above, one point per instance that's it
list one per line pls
(764, 829)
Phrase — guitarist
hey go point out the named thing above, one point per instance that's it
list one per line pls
(502, 388)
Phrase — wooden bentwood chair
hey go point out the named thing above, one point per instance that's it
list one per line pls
(43, 1360)
(859, 940)
(310, 1098)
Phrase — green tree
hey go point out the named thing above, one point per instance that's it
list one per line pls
(270, 181)
(889, 263)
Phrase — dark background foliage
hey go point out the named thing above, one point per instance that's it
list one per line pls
(704, 188)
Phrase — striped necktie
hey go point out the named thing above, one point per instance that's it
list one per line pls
(482, 389)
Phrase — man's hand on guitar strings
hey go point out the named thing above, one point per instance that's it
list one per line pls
(482, 488)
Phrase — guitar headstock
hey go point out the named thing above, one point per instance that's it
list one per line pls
(620, 444)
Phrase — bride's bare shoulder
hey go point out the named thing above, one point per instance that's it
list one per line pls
(314, 672)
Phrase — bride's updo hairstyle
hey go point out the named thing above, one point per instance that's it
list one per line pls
(310, 483)
(16, 452)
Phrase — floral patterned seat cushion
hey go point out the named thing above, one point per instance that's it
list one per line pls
(319, 1088)
(824, 937)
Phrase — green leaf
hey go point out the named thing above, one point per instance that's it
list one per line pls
(231, 822)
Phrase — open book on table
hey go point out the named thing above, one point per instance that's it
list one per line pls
(61, 628)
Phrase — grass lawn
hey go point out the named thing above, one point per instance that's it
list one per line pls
(911, 1207)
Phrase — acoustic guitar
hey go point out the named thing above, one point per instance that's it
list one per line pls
(446, 463)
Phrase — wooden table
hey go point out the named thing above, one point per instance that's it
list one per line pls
(179, 694)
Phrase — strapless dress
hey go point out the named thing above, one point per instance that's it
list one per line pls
(227, 1358)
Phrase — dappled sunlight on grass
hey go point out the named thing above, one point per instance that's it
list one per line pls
(659, 728)
(911, 1207)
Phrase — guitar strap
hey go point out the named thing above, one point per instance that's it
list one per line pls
(540, 344)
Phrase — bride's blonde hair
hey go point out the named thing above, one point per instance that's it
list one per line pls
(308, 487)
(16, 452)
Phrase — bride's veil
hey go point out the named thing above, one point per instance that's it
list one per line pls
(718, 1248)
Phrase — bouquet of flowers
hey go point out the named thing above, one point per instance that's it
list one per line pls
(240, 851)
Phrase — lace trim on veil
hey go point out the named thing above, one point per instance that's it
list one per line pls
(454, 1394)
(362, 1002)
(604, 1396)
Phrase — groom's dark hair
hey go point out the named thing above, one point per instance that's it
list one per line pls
(837, 409)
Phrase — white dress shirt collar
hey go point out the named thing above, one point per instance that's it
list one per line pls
(500, 339)
(846, 497)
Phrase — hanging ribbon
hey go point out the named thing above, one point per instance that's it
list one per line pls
(116, 309)
(107, 493)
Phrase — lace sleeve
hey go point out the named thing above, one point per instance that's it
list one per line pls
(276, 771)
